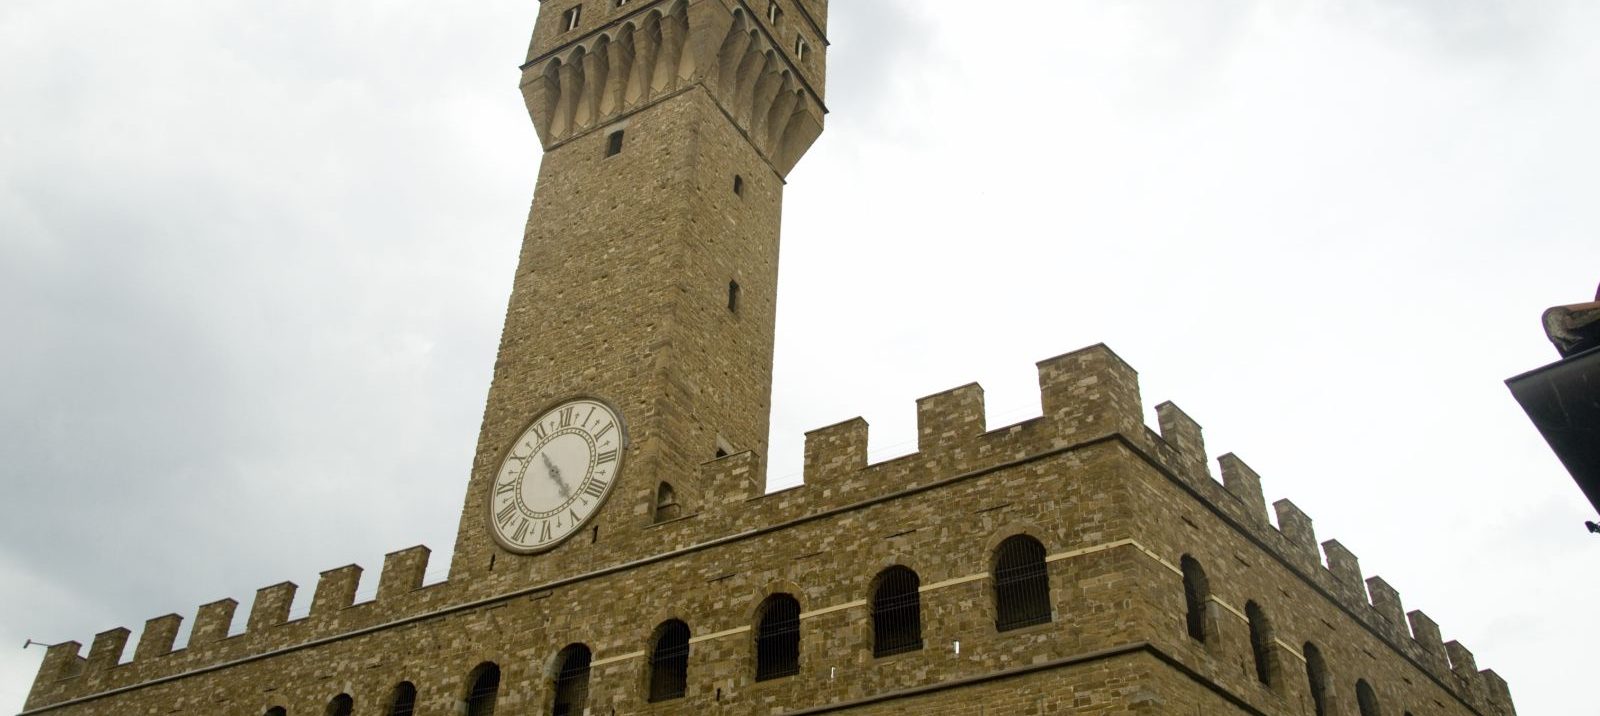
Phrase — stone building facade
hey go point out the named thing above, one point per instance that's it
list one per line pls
(1078, 562)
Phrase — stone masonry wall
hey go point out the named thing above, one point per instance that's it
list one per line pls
(1113, 511)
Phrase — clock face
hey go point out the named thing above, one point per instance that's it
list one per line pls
(556, 475)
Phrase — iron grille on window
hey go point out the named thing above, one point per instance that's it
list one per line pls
(1196, 591)
(778, 638)
(1021, 584)
(405, 699)
(669, 662)
(896, 613)
(572, 682)
(484, 691)
(341, 705)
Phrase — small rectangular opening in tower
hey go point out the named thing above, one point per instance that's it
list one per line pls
(800, 48)
(733, 296)
(614, 143)
(738, 185)
(774, 13)
(569, 19)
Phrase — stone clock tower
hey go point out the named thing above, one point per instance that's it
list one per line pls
(648, 273)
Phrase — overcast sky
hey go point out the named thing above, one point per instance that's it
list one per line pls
(254, 258)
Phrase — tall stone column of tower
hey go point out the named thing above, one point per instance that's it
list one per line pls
(648, 273)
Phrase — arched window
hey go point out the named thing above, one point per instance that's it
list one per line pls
(1317, 679)
(669, 662)
(896, 612)
(667, 503)
(1260, 641)
(485, 689)
(1021, 584)
(1367, 699)
(404, 700)
(572, 680)
(1196, 592)
(341, 705)
(778, 638)
(277, 711)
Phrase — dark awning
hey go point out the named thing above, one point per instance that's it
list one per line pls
(1563, 400)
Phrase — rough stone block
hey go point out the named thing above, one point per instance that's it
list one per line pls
(271, 607)
(950, 418)
(1091, 393)
(158, 637)
(106, 649)
(1183, 434)
(336, 589)
(403, 572)
(836, 452)
(212, 622)
(1244, 484)
(1297, 529)
(1386, 600)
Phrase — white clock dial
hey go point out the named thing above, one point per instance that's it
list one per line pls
(556, 475)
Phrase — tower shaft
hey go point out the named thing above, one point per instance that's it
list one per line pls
(648, 271)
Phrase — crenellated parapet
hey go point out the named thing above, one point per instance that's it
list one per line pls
(602, 76)
(1088, 397)
(66, 674)
(1091, 410)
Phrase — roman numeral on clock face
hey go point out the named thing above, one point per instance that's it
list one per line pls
(557, 473)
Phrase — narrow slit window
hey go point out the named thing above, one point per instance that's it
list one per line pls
(738, 185)
(667, 507)
(614, 143)
(569, 19)
(774, 13)
(1260, 642)
(800, 48)
(733, 296)
(621, 3)
(1196, 592)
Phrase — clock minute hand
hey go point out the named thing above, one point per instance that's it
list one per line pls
(555, 475)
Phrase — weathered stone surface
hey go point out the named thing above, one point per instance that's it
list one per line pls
(623, 291)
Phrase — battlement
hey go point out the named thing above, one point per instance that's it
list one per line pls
(1091, 404)
(65, 674)
(766, 78)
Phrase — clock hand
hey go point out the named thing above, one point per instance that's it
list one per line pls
(555, 474)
